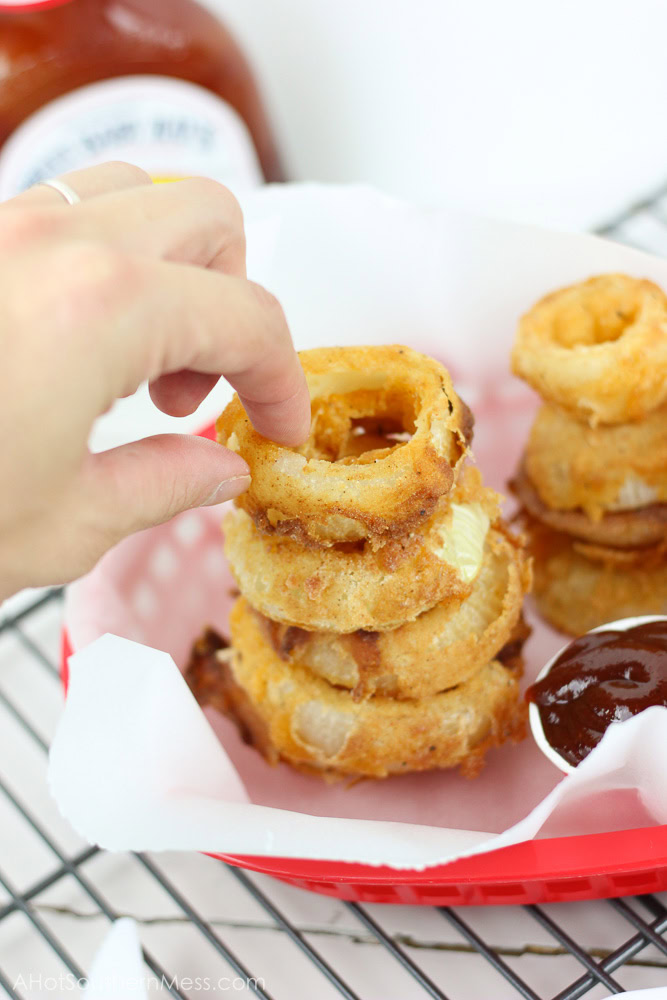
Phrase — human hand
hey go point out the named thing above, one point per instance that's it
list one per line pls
(135, 282)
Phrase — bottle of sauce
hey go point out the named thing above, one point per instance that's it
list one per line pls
(159, 83)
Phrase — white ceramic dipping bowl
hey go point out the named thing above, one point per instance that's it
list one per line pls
(622, 625)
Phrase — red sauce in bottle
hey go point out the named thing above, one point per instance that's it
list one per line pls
(601, 678)
(62, 50)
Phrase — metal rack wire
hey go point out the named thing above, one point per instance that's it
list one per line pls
(639, 923)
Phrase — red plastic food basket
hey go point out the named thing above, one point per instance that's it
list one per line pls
(554, 870)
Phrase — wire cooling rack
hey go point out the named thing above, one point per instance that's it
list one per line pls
(207, 927)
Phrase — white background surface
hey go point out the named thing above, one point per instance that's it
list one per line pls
(540, 111)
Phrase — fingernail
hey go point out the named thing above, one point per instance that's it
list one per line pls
(227, 490)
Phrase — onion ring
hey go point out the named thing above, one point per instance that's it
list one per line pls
(599, 469)
(343, 590)
(597, 348)
(355, 477)
(442, 648)
(621, 529)
(578, 587)
(289, 714)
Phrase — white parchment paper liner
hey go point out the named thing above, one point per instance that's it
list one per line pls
(135, 765)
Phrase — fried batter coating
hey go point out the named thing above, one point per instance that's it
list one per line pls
(347, 588)
(578, 587)
(290, 714)
(388, 435)
(619, 529)
(597, 470)
(442, 648)
(597, 349)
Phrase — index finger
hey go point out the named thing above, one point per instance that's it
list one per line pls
(270, 380)
(202, 321)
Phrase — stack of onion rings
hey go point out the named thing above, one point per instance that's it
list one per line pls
(290, 714)
(594, 471)
(578, 586)
(597, 349)
(380, 625)
(625, 529)
(598, 471)
(342, 590)
(451, 642)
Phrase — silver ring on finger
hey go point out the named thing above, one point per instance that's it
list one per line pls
(68, 193)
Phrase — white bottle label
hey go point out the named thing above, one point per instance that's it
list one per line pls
(169, 127)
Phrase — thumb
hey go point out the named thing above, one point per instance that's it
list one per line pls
(147, 482)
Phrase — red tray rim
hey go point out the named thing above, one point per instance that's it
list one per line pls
(582, 856)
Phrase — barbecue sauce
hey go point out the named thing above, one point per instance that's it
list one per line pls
(601, 678)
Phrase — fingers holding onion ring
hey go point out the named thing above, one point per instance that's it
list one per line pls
(388, 436)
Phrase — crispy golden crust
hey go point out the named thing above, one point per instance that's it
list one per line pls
(597, 470)
(578, 587)
(621, 529)
(210, 681)
(354, 478)
(597, 348)
(442, 648)
(343, 590)
(290, 714)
